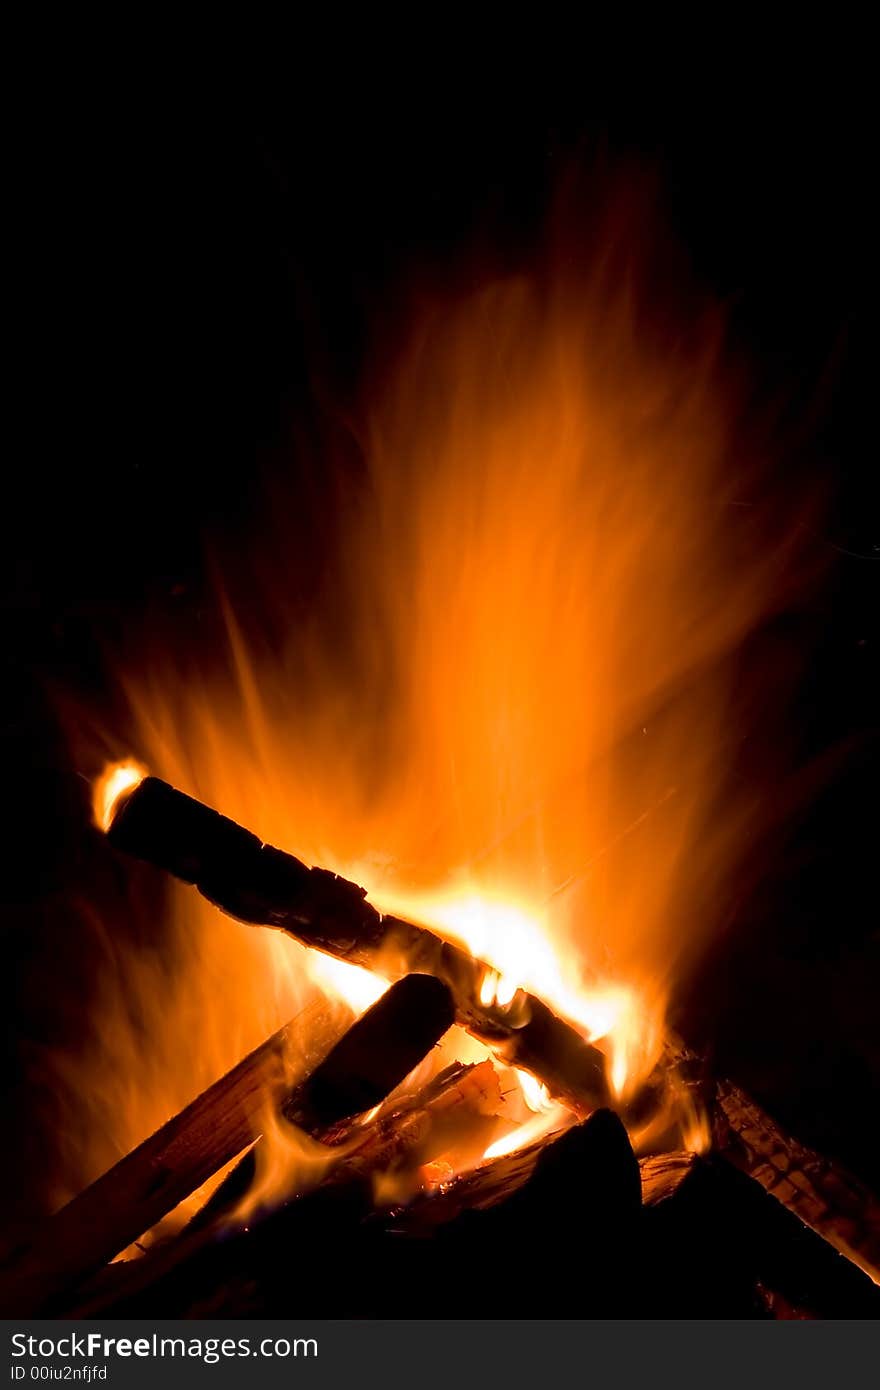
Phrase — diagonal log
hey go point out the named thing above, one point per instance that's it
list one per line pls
(360, 1069)
(259, 884)
(832, 1201)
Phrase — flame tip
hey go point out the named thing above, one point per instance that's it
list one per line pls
(116, 782)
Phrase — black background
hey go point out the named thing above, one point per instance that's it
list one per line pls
(197, 280)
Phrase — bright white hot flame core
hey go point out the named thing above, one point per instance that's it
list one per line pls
(523, 952)
(358, 988)
(535, 1094)
(554, 1117)
(116, 781)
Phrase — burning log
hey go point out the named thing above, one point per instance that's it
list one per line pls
(833, 1202)
(549, 1228)
(368, 1062)
(587, 1172)
(374, 1055)
(577, 1194)
(564, 1236)
(406, 1133)
(427, 1124)
(264, 886)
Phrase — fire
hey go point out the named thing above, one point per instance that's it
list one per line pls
(357, 988)
(503, 705)
(523, 952)
(497, 991)
(115, 783)
(535, 1095)
(535, 1128)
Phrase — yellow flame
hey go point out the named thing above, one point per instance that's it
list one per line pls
(535, 1094)
(356, 987)
(522, 950)
(115, 783)
(553, 1118)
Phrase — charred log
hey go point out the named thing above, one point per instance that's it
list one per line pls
(375, 1055)
(316, 1224)
(376, 1262)
(714, 1244)
(259, 884)
(363, 1068)
(564, 1237)
(594, 1157)
(832, 1201)
(368, 1062)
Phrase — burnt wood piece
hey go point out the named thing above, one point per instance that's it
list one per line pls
(136, 1193)
(824, 1195)
(375, 1055)
(150, 1181)
(259, 884)
(363, 1068)
(406, 1132)
(563, 1174)
(559, 1244)
(332, 1249)
(715, 1244)
(707, 1242)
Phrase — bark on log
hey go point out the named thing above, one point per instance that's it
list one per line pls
(368, 1062)
(259, 884)
(832, 1201)
(363, 1068)
(552, 1222)
(715, 1244)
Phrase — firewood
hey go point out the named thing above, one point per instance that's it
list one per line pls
(362, 1069)
(368, 1062)
(259, 884)
(409, 1131)
(405, 1133)
(715, 1244)
(333, 1245)
(563, 1176)
(422, 1127)
(832, 1201)
(706, 1243)
(375, 1055)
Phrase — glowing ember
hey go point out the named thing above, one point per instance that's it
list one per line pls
(115, 782)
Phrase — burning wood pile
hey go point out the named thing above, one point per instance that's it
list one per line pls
(408, 1172)
(493, 662)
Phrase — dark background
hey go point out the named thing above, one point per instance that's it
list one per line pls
(197, 281)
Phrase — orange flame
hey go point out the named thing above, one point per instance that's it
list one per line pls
(533, 1129)
(506, 709)
(115, 783)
